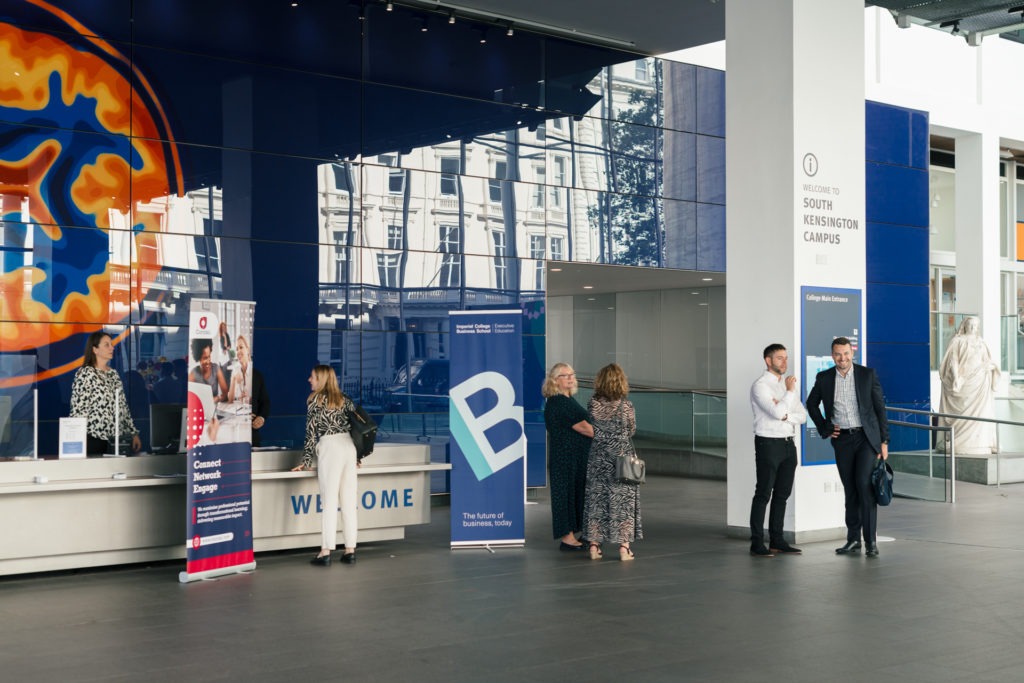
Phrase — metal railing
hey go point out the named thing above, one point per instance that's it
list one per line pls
(931, 453)
(931, 415)
(694, 419)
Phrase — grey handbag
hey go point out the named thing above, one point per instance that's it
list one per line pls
(630, 469)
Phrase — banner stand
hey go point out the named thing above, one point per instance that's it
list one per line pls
(488, 438)
(218, 484)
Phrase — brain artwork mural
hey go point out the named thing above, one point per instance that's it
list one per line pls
(84, 145)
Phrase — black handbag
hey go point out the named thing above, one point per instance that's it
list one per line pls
(363, 430)
(881, 482)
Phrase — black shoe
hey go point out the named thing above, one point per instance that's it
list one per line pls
(760, 551)
(324, 561)
(871, 549)
(784, 549)
(851, 548)
(569, 546)
(348, 558)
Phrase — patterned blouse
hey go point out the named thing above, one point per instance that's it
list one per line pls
(323, 421)
(94, 394)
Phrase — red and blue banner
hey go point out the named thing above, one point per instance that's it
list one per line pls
(219, 438)
(488, 441)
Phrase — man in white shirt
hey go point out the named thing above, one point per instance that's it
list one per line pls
(777, 413)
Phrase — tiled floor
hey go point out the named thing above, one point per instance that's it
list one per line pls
(942, 603)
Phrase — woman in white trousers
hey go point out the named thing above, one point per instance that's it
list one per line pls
(328, 439)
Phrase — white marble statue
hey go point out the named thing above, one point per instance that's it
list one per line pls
(969, 378)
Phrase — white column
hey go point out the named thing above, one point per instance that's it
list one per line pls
(977, 232)
(794, 132)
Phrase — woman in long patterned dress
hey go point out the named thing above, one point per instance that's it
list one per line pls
(612, 508)
(569, 436)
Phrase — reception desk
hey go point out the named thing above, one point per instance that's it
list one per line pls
(65, 514)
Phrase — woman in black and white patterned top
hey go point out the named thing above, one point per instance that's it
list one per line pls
(97, 393)
(327, 438)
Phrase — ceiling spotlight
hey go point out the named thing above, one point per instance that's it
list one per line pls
(424, 25)
(483, 36)
(510, 32)
(451, 17)
(390, 7)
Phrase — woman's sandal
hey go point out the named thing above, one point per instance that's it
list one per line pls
(626, 553)
(595, 551)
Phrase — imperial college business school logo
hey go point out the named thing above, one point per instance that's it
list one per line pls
(473, 432)
(488, 442)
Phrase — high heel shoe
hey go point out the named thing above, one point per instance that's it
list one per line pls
(349, 558)
(321, 560)
(626, 553)
(595, 551)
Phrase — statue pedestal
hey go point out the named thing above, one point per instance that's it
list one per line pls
(975, 469)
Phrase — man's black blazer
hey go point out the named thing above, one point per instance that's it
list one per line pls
(870, 404)
(260, 402)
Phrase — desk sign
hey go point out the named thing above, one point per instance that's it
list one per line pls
(72, 437)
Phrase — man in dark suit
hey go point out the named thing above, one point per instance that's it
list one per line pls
(260, 405)
(854, 419)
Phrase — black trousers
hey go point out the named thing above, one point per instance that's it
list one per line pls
(95, 446)
(855, 458)
(775, 460)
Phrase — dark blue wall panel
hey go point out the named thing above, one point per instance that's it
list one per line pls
(899, 370)
(896, 184)
(896, 194)
(897, 313)
(898, 254)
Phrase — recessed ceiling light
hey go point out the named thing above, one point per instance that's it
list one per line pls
(591, 298)
(703, 303)
(556, 270)
(588, 286)
(611, 308)
(694, 292)
(706, 279)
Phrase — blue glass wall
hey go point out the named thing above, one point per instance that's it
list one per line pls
(355, 175)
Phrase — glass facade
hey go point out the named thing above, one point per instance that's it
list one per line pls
(354, 175)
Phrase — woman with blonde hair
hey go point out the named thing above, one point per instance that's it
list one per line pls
(569, 436)
(612, 508)
(328, 438)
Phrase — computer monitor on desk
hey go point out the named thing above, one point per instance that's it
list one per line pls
(165, 422)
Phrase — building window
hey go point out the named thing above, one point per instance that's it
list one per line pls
(559, 181)
(394, 237)
(494, 184)
(500, 266)
(450, 170)
(537, 196)
(537, 253)
(450, 258)
(342, 255)
(396, 176)
(342, 177)
(558, 124)
(387, 268)
(643, 73)
(396, 181)
(556, 249)
(207, 251)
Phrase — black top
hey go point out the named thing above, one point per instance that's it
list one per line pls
(560, 414)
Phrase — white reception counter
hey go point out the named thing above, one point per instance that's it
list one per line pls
(79, 515)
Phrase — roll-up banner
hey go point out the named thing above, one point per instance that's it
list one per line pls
(219, 437)
(488, 442)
